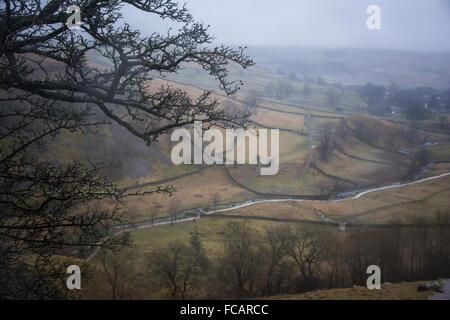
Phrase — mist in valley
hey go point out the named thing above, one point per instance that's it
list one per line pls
(362, 149)
(406, 25)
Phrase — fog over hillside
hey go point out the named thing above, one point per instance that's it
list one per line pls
(405, 25)
(224, 150)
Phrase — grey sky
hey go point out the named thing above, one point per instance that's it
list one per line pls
(405, 24)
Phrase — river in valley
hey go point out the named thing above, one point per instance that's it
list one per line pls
(196, 213)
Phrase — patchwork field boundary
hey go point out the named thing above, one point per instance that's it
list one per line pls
(314, 165)
(281, 129)
(368, 212)
(332, 224)
(371, 144)
(299, 113)
(274, 195)
(159, 182)
(341, 150)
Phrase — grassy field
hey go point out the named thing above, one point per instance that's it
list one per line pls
(384, 206)
(354, 167)
(364, 163)
(280, 210)
(295, 176)
(395, 291)
(406, 204)
(278, 119)
(200, 189)
(210, 230)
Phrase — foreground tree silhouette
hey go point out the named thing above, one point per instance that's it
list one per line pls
(49, 85)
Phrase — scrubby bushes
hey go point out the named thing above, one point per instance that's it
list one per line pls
(295, 258)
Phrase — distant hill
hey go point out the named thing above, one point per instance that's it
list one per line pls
(358, 66)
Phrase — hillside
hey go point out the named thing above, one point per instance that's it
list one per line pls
(196, 151)
(353, 66)
(394, 291)
(365, 151)
(314, 185)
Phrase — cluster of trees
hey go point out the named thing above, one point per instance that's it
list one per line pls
(279, 90)
(410, 134)
(284, 89)
(252, 98)
(307, 90)
(331, 135)
(294, 258)
(419, 159)
(311, 80)
(416, 111)
(414, 104)
(179, 267)
(333, 97)
(375, 98)
(443, 121)
(403, 254)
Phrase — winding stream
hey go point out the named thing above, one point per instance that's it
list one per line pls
(196, 213)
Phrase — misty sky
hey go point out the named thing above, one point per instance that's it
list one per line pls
(405, 24)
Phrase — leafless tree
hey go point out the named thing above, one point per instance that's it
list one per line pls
(443, 121)
(174, 210)
(50, 85)
(276, 239)
(118, 268)
(307, 90)
(252, 99)
(333, 97)
(156, 207)
(179, 266)
(215, 199)
(328, 140)
(241, 263)
(306, 246)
